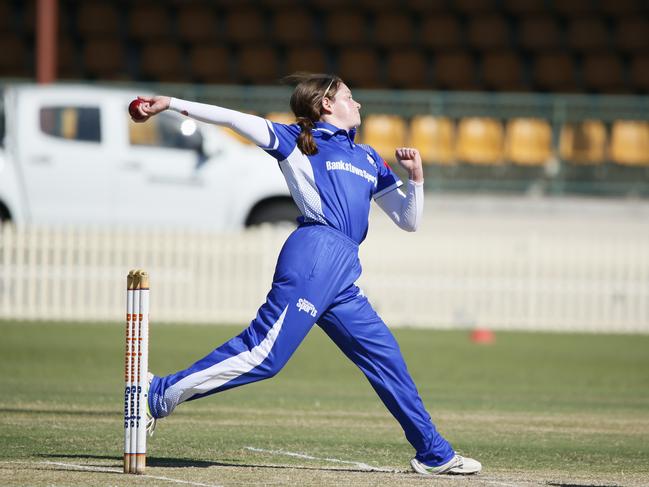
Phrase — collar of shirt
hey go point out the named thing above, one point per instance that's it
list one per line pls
(327, 130)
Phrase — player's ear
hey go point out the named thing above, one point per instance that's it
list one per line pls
(327, 105)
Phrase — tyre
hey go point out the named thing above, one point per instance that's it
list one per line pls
(282, 211)
(5, 217)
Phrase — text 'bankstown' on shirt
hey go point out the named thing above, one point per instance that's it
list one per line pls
(335, 186)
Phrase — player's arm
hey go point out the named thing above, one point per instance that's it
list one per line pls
(252, 127)
(405, 209)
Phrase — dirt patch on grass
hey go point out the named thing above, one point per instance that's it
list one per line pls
(107, 473)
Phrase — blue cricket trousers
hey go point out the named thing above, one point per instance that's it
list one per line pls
(313, 282)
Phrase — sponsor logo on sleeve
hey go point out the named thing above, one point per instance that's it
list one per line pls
(304, 305)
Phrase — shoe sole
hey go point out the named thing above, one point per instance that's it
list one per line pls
(420, 468)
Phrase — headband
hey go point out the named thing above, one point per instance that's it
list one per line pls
(328, 87)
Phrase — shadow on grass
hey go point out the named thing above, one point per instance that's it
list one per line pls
(150, 461)
(184, 463)
(69, 412)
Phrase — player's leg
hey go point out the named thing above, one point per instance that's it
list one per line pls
(354, 326)
(257, 353)
(308, 275)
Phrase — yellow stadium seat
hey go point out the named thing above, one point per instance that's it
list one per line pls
(528, 141)
(231, 133)
(384, 133)
(583, 142)
(630, 143)
(281, 117)
(480, 141)
(433, 137)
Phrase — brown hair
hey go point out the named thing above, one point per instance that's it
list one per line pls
(306, 103)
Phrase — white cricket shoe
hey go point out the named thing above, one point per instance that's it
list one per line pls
(150, 420)
(458, 465)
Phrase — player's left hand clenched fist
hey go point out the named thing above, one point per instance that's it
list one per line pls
(410, 160)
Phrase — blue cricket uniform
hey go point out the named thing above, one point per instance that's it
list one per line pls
(314, 282)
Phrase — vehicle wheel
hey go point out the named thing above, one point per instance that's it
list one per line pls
(4, 214)
(276, 212)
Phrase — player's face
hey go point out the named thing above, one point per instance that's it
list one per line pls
(345, 109)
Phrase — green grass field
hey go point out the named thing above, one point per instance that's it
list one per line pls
(535, 409)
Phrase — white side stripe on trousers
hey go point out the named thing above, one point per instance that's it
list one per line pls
(223, 372)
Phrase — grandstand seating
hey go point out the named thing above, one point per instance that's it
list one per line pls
(407, 68)
(502, 71)
(620, 7)
(471, 7)
(305, 58)
(257, 64)
(487, 32)
(434, 137)
(587, 34)
(554, 72)
(394, 29)
(384, 133)
(539, 32)
(593, 46)
(5, 17)
(454, 70)
(359, 66)
(345, 28)
(630, 143)
(244, 25)
(172, 69)
(97, 19)
(12, 59)
(480, 141)
(603, 73)
(440, 31)
(149, 22)
(528, 142)
(68, 67)
(210, 63)
(639, 75)
(632, 34)
(197, 23)
(281, 117)
(597, 46)
(523, 7)
(583, 143)
(103, 58)
(292, 26)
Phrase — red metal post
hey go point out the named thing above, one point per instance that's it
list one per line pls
(46, 37)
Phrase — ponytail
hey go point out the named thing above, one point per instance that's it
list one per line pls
(305, 140)
(306, 104)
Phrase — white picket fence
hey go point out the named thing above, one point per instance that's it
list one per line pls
(459, 271)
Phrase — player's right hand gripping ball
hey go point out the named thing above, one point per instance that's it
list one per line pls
(133, 110)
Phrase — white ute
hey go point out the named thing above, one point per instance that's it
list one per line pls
(71, 155)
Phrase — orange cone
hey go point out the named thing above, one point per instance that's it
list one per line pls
(483, 335)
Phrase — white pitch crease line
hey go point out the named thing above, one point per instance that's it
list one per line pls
(360, 465)
(115, 470)
(498, 482)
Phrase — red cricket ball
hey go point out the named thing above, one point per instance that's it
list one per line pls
(133, 109)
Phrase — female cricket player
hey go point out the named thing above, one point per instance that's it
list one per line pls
(332, 179)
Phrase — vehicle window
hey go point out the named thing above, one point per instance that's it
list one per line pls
(72, 123)
(165, 130)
